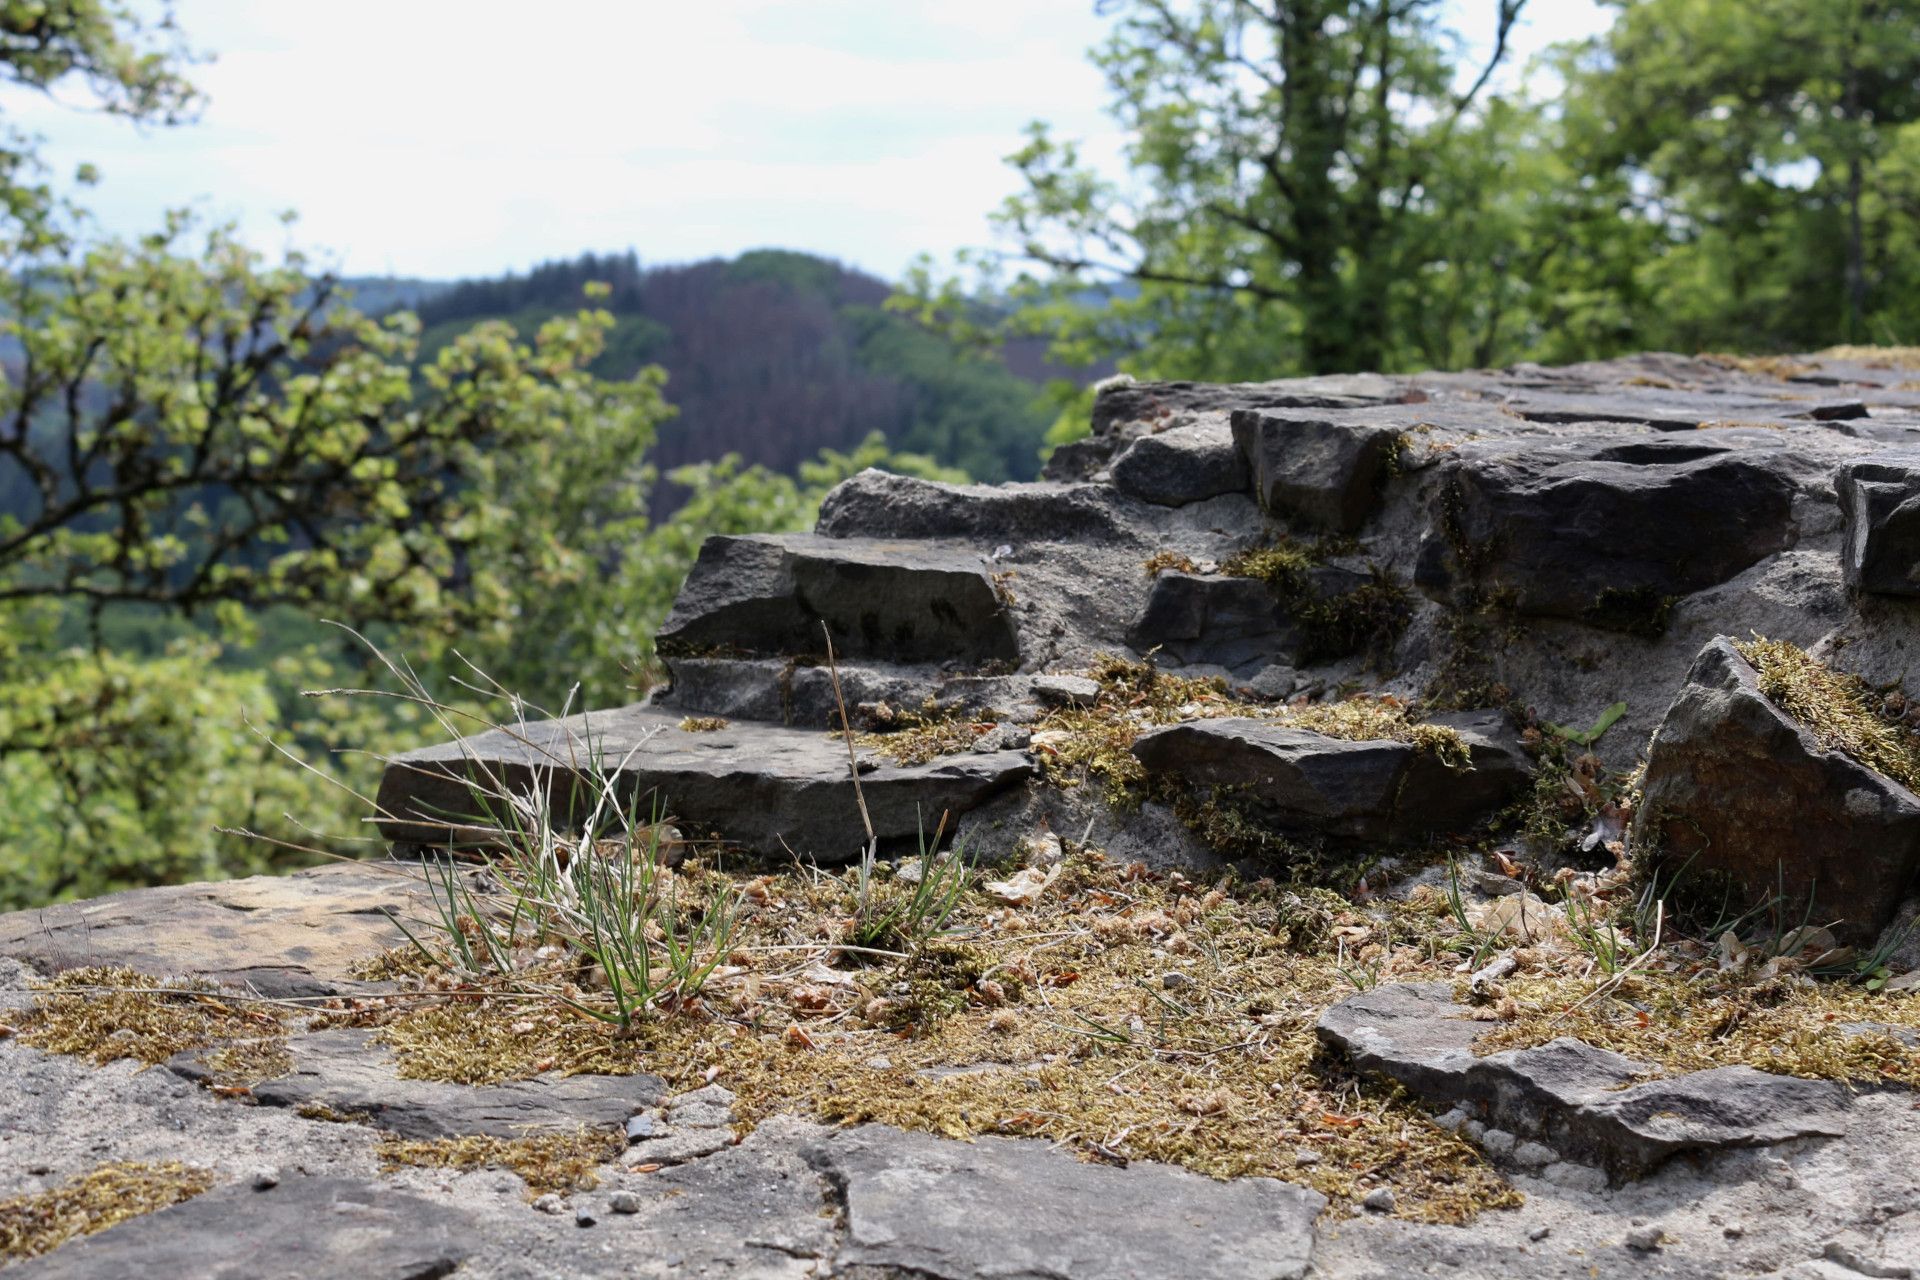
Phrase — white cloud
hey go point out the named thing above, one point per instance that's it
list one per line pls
(445, 137)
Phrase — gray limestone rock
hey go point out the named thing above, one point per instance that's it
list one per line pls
(301, 1228)
(294, 935)
(900, 601)
(1182, 465)
(1316, 468)
(1600, 531)
(346, 1073)
(1737, 791)
(765, 788)
(1583, 1102)
(1216, 619)
(999, 1207)
(1880, 501)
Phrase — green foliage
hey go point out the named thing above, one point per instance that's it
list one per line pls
(1283, 167)
(118, 771)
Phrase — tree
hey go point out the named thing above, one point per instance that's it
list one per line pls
(1767, 143)
(1283, 159)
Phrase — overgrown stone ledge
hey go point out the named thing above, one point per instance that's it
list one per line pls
(1373, 826)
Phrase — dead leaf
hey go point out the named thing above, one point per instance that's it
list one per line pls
(1022, 887)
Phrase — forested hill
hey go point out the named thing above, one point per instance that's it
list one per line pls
(773, 355)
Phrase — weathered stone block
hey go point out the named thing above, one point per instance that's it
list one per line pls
(1736, 791)
(906, 602)
(1600, 531)
(1315, 468)
(1186, 464)
(1312, 784)
(1880, 502)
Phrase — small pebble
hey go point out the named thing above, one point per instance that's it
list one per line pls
(1452, 1120)
(1539, 1233)
(583, 1216)
(1533, 1155)
(1644, 1239)
(1175, 981)
(1498, 1141)
(624, 1202)
(640, 1128)
(1733, 1231)
(1380, 1200)
(1305, 1157)
(880, 1062)
(265, 1178)
(549, 1203)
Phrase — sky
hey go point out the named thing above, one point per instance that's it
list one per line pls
(443, 138)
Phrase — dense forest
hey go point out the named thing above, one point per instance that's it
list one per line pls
(207, 452)
(777, 355)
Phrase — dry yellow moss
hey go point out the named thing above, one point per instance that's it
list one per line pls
(102, 1014)
(487, 1040)
(703, 724)
(31, 1225)
(1838, 709)
(1781, 367)
(1162, 561)
(559, 1162)
(1788, 1026)
(1880, 357)
(1060, 1016)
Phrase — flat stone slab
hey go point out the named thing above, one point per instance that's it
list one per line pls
(1002, 1207)
(294, 935)
(301, 1229)
(1587, 1104)
(345, 1072)
(1313, 784)
(765, 788)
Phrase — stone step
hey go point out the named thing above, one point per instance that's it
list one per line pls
(1310, 784)
(768, 594)
(1586, 1105)
(765, 789)
(878, 504)
(1605, 531)
(800, 693)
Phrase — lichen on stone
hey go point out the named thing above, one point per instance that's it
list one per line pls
(31, 1225)
(1836, 708)
(703, 724)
